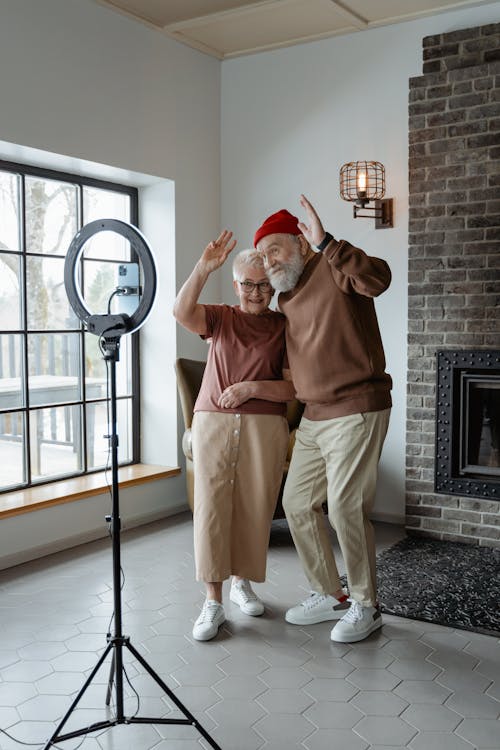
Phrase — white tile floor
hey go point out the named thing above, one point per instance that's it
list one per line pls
(262, 683)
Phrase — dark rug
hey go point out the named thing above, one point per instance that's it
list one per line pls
(447, 583)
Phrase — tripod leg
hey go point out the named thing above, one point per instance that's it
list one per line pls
(70, 710)
(111, 679)
(195, 723)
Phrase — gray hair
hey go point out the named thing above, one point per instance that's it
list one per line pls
(245, 259)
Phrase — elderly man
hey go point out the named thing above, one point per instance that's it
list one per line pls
(338, 368)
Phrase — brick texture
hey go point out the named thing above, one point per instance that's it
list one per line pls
(454, 254)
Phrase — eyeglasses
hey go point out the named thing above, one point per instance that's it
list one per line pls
(249, 286)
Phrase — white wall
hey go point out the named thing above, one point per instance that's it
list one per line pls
(290, 119)
(82, 81)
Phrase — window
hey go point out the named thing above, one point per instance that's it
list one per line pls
(53, 400)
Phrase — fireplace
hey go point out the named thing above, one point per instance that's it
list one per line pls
(468, 423)
(453, 487)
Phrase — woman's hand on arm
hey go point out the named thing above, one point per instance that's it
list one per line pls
(267, 390)
(236, 394)
(187, 310)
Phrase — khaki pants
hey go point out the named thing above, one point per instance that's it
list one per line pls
(238, 465)
(336, 460)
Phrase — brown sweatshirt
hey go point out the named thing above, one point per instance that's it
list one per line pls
(333, 340)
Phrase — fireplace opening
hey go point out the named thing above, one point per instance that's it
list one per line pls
(467, 460)
(479, 424)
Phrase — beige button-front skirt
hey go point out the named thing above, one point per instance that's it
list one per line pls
(238, 467)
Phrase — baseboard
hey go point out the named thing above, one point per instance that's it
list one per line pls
(144, 518)
(34, 553)
(392, 518)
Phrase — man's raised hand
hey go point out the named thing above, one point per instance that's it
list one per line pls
(313, 231)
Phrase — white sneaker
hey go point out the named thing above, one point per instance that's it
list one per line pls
(244, 596)
(210, 619)
(316, 608)
(357, 623)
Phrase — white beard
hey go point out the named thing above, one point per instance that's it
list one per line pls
(287, 275)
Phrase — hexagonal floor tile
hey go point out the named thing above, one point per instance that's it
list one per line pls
(328, 668)
(438, 741)
(480, 732)
(286, 729)
(326, 739)
(333, 690)
(236, 713)
(373, 679)
(422, 691)
(284, 701)
(387, 730)
(285, 677)
(326, 715)
(379, 703)
(473, 705)
(26, 671)
(415, 669)
(427, 718)
(243, 687)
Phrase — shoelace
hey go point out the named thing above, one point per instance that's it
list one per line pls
(244, 589)
(313, 600)
(208, 613)
(354, 613)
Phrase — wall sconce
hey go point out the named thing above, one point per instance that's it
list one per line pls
(362, 182)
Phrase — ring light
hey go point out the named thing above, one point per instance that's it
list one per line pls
(120, 323)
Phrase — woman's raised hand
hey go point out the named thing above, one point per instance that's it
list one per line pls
(217, 251)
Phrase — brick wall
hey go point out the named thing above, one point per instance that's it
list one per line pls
(454, 254)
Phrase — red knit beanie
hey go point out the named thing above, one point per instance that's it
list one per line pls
(282, 222)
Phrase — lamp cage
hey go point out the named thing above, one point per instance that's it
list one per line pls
(362, 181)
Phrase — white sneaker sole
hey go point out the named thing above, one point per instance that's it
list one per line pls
(340, 637)
(298, 619)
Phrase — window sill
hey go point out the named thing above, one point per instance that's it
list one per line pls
(78, 488)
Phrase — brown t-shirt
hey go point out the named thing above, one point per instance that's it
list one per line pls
(243, 347)
(333, 340)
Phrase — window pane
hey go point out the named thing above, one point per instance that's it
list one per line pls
(105, 204)
(54, 368)
(51, 215)
(56, 442)
(97, 428)
(107, 245)
(10, 291)
(95, 367)
(11, 388)
(9, 211)
(12, 447)
(47, 302)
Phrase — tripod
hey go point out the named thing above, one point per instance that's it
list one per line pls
(118, 641)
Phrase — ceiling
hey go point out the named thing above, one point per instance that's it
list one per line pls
(230, 28)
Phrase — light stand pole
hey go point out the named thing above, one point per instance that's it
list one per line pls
(110, 328)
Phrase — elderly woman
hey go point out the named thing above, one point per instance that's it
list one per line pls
(240, 432)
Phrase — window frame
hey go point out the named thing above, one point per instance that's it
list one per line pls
(80, 182)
